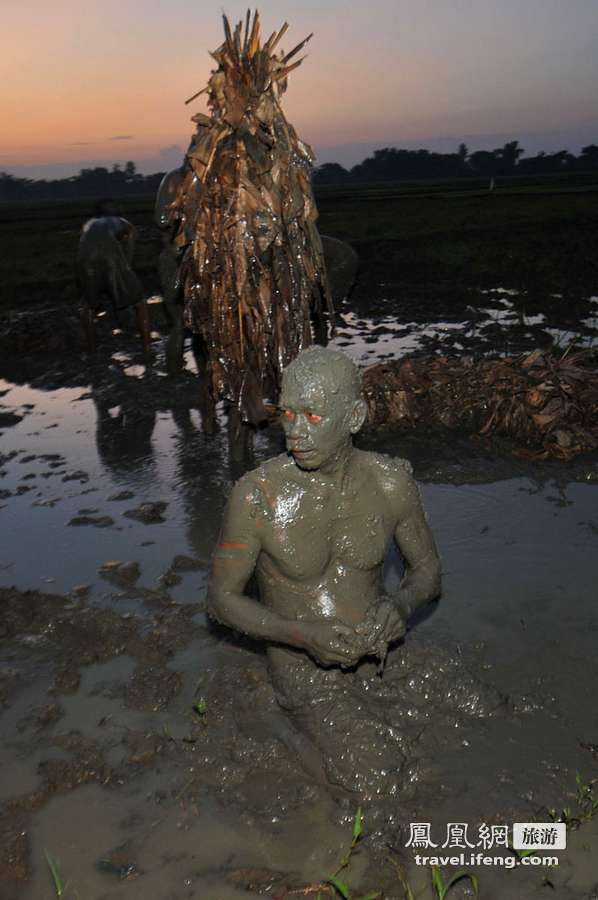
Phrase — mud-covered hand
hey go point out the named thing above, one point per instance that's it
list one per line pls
(331, 643)
(384, 624)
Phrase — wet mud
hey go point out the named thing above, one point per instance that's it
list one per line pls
(145, 749)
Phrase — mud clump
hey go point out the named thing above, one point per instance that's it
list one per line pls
(14, 856)
(79, 475)
(21, 489)
(7, 419)
(92, 635)
(169, 579)
(149, 513)
(170, 633)
(121, 495)
(121, 573)
(119, 862)
(264, 881)
(88, 765)
(28, 333)
(152, 688)
(49, 714)
(9, 679)
(28, 611)
(67, 681)
(143, 748)
(183, 563)
(98, 521)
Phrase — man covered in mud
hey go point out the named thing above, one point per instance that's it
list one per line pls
(315, 525)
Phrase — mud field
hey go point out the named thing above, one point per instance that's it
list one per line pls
(142, 748)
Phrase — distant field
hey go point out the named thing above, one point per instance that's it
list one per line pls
(537, 235)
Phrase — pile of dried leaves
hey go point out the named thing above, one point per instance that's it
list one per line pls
(547, 403)
(251, 270)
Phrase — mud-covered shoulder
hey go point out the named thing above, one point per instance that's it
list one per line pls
(393, 474)
(386, 466)
(254, 487)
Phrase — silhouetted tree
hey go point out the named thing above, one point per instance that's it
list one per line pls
(12, 188)
(484, 162)
(508, 156)
(589, 157)
(547, 163)
(330, 173)
(392, 164)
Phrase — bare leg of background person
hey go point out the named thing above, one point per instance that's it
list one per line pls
(143, 324)
(86, 315)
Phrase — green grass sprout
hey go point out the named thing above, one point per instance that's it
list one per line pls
(442, 888)
(53, 865)
(201, 707)
(341, 887)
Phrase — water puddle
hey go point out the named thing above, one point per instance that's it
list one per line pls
(498, 324)
(126, 780)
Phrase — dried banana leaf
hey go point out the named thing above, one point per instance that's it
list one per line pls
(522, 398)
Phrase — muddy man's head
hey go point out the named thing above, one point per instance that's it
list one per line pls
(322, 407)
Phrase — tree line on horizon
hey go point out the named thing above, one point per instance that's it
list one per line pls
(93, 183)
(386, 164)
(394, 164)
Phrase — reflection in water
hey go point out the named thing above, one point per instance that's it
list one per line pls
(118, 440)
(124, 424)
(159, 438)
(497, 323)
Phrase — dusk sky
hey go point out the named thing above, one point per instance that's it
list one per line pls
(86, 83)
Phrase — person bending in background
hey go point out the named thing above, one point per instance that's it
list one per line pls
(104, 258)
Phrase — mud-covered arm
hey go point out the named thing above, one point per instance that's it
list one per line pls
(233, 563)
(387, 620)
(422, 579)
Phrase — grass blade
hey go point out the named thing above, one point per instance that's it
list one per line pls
(437, 882)
(340, 886)
(462, 873)
(55, 872)
(358, 825)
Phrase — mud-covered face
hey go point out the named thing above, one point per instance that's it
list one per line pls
(318, 418)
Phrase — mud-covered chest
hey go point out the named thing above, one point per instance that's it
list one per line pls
(307, 531)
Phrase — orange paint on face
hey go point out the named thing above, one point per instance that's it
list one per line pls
(230, 545)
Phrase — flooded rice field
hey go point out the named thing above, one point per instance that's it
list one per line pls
(143, 752)
(498, 323)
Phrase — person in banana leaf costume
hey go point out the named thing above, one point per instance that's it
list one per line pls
(251, 274)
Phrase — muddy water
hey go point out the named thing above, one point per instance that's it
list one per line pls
(106, 764)
(498, 323)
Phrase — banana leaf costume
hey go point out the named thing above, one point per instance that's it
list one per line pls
(251, 271)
